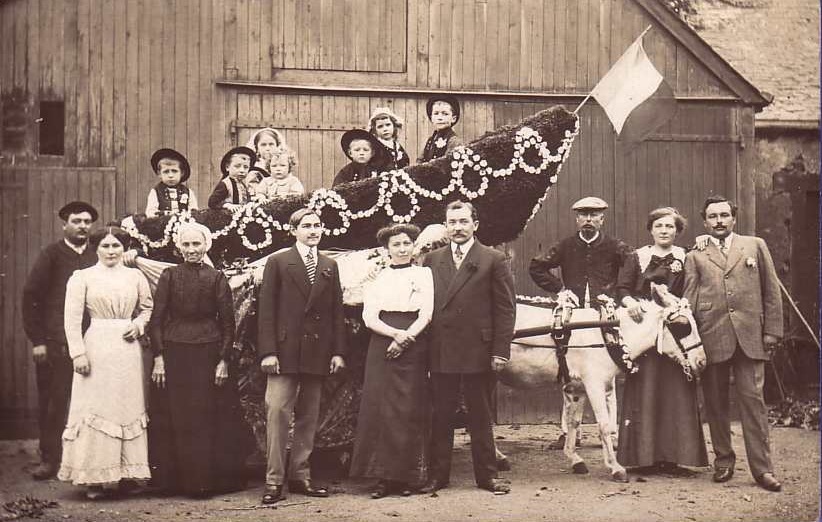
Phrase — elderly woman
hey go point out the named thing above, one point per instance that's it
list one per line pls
(192, 333)
(391, 439)
(105, 437)
(660, 419)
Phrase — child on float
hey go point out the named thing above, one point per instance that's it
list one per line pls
(444, 113)
(265, 142)
(385, 126)
(283, 182)
(255, 182)
(170, 195)
(365, 153)
(231, 192)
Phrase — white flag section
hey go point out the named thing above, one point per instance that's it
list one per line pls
(634, 95)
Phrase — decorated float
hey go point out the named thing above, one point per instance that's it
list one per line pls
(506, 174)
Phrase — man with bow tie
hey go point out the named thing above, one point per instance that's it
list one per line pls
(590, 263)
(734, 292)
(471, 332)
(301, 339)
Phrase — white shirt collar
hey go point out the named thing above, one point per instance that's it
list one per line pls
(79, 249)
(728, 240)
(304, 249)
(589, 241)
(464, 248)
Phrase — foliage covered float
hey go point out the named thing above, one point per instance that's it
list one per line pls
(506, 174)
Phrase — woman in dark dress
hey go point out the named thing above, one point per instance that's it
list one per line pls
(392, 427)
(660, 423)
(196, 438)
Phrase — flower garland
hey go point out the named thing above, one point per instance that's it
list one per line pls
(399, 194)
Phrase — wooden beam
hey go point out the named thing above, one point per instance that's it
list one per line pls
(388, 91)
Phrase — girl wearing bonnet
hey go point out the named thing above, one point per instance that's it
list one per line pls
(385, 126)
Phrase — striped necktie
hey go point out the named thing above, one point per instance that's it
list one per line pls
(458, 255)
(722, 247)
(310, 265)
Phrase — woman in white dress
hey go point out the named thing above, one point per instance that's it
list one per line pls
(105, 437)
(391, 444)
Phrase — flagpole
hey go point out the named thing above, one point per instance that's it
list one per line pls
(576, 111)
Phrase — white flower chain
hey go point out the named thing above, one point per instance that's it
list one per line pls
(391, 183)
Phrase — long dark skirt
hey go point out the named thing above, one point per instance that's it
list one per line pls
(660, 416)
(394, 419)
(198, 441)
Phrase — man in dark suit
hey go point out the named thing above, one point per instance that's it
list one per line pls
(471, 331)
(590, 261)
(301, 339)
(734, 291)
(44, 296)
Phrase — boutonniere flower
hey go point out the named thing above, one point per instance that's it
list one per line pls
(750, 262)
(326, 273)
(676, 266)
(472, 266)
(440, 143)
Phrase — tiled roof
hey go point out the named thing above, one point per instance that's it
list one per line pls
(774, 44)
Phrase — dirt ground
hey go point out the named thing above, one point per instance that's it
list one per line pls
(543, 488)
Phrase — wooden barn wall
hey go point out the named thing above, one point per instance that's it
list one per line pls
(137, 75)
(30, 197)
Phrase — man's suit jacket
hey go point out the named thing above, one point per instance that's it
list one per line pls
(735, 301)
(300, 323)
(474, 310)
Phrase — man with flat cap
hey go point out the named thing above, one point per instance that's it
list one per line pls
(44, 296)
(590, 263)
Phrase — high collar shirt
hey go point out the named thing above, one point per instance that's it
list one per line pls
(79, 249)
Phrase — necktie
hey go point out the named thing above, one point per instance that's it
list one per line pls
(722, 246)
(458, 256)
(310, 266)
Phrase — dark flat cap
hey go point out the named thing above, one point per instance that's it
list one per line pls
(76, 207)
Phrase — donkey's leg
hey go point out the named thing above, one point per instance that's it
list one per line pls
(596, 394)
(610, 396)
(573, 406)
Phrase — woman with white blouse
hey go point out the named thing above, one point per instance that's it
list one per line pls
(392, 427)
(105, 439)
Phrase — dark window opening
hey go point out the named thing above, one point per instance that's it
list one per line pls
(52, 127)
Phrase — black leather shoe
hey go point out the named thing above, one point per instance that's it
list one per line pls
(433, 486)
(44, 471)
(723, 474)
(304, 487)
(272, 495)
(769, 482)
(494, 486)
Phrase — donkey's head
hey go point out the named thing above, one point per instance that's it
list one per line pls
(678, 336)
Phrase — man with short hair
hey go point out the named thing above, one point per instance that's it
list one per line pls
(301, 339)
(590, 263)
(471, 331)
(734, 291)
(44, 296)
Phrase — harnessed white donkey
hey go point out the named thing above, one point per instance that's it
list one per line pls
(534, 361)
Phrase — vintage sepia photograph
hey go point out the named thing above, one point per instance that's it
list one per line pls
(373, 260)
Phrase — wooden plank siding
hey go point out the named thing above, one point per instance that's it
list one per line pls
(199, 76)
(30, 197)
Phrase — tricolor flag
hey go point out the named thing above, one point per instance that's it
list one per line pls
(635, 96)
